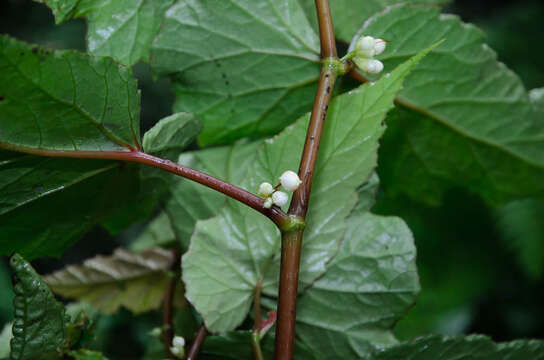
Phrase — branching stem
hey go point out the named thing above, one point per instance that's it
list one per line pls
(292, 238)
(274, 213)
(168, 306)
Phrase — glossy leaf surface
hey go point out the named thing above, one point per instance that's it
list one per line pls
(246, 68)
(65, 101)
(38, 328)
(122, 29)
(464, 119)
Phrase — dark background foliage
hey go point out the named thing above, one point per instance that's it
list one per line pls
(481, 269)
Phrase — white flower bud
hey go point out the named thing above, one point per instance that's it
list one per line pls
(370, 66)
(265, 189)
(177, 348)
(290, 180)
(280, 198)
(268, 203)
(365, 46)
(379, 46)
(177, 352)
(178, 341)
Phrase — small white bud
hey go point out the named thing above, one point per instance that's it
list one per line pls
(370, 66)
(379, 46)
(177, 348)
(280, 198)
(265, 189)
(290, 180)
(365, 46)
(177, 352)
(178, 341)
(268, 203)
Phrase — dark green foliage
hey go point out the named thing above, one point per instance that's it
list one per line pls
(38, 328)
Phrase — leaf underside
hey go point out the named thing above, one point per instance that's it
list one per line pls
(133, 280)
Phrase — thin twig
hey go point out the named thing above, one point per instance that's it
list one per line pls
(168, 306)
(257, 323)
(256, 345)
(197, 343)
(274, 213)
(292, 240)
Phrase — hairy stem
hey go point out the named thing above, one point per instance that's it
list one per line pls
(197, 343)
(168, 307)
(292, 239)
(274, 213)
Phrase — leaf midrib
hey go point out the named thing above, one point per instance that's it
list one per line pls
(72, 105)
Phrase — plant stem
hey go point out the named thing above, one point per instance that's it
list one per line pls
(274, 213)
(197, 343)
(256, 344)
(168, 306)
(292, 239)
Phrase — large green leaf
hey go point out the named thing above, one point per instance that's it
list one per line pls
(231, 253)
(38, 328)
(58, 102)
(122, 29)
(467, 348)
(246, 68)
(349, 15)
(65, 101)
(370, 284)
(133, 280)
(464, 119)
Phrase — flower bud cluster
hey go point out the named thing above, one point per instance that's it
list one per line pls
(178, 347)
(366, 48)
(290, 182)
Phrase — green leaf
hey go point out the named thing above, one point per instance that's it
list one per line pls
(537, 99)
(369, 285)
(5, 338)
(122, 29)
(159, 232)
(522, 229)
(75, 195)
(189, 201)
(246, 68)
(464, 119)
(55, 102)
(84, 354)
(133, 280)
(349, 15)
(171, 135)
(65, 101)
(473, 347)
(38, 328)
(231, 253)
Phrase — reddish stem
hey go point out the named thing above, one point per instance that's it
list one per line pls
(197, 343)
(292, 238)
(274, 213)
